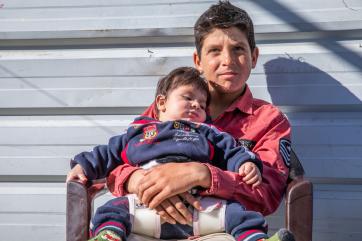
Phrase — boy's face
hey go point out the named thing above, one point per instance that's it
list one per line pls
(226, 60)
(183, 103)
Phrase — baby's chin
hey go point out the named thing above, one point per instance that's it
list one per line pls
(192, 120)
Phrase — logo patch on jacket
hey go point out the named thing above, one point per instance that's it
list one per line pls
(285, 149)
(181, 126)
(150, 132)
(247, 143)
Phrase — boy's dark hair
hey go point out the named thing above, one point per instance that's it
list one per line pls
(179, 77)
(223, 15)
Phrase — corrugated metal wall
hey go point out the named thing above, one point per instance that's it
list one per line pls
(73, 73)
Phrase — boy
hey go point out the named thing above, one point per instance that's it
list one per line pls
(178, 135)
(226, 53)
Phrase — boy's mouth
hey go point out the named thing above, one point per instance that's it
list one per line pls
(228, 74)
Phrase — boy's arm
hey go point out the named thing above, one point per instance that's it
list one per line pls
(102, 159)
(118, 178)
(230, 185)
(267, 197)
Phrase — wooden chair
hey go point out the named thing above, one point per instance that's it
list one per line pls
(298, 205)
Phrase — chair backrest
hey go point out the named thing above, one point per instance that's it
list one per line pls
(299, 202)
(296, 170)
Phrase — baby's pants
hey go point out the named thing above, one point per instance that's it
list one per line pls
(243, 225)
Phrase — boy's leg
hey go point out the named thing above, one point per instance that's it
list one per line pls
(113, 216)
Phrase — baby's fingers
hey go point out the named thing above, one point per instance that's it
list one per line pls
(251, 174)
(242, 170)
(82, 178)
(257, 183)
(252, 180)
(164, 215)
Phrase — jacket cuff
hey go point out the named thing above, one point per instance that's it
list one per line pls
(234, 166)
(256, 161)
(118, 177)
(222, 184)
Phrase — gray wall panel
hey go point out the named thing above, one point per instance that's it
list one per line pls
(42, 216)
(321, 139)
(67, 19)
(32, 211)
(116, 77)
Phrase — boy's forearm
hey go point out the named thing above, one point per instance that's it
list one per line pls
(133, 181)
(204, 177)
(230, 186)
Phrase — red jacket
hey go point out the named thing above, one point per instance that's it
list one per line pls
(265, 131)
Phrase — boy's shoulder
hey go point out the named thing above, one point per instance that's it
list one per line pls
(267, 110)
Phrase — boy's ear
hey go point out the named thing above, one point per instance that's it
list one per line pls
(161, 103)
(254, 57)
(197, 61)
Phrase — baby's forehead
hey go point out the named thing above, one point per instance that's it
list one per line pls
(194, 89)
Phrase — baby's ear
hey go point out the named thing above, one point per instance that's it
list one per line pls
(161, 102)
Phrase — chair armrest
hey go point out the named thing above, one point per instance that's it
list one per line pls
(78, 210)
(299, 209)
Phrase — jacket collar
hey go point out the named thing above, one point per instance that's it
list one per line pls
(244, 102)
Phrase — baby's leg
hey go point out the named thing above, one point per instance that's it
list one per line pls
(244, 225)
(114, 216)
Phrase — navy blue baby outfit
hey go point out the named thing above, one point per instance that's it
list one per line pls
(146, 140)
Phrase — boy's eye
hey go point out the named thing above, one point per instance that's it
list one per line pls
(213, 50)
(239, 48)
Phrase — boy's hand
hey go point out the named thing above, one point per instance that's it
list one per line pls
(173, 209)
(77, 174)
(251, 174)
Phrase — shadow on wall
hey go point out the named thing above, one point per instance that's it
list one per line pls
(294, 82)
(304, 25)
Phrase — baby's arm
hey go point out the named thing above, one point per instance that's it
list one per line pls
(238, 158)
(251, 174)
(95, 164)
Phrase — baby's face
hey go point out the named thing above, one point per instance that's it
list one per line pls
(184, 103)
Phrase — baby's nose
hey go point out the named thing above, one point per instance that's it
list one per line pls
(196, 104)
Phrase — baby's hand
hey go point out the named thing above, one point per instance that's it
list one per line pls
(77, 174)
(251, 174)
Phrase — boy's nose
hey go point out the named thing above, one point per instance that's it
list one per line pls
(227, 58)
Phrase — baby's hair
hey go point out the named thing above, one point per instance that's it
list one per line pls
(180, 77)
